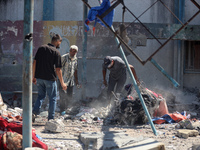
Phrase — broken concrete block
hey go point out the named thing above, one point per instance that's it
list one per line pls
(196, 125)
(55, 126)
(107, 140)
(91, 139)
(147, 144)
(184, 133)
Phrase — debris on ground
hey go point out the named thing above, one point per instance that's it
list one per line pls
(88, 124)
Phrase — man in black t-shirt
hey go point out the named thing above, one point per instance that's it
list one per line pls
(46, 64)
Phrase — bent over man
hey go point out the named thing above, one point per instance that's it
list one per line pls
(46, 64)
(117, 76)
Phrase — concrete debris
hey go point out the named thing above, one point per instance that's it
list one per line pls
(55, 126)
(107, 140)
(184, 133)
(196, 147)
(44, 114)
(147, 144)
(129, 110)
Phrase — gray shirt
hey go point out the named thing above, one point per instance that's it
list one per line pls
(118, 69)
(69, 66)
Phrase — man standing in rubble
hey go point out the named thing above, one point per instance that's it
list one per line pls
(117, 76)
(69, 69)
(46, 64)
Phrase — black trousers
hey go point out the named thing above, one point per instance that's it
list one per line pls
(65, 97)
(118, 83)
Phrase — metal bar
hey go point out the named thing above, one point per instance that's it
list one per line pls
(143, 25)
(176, 84)
(195, 3)
(121, 40)
(148, 59)
(141, 14)
(110, 9)
(86, 3)
(27, 74)
(84, 54)
(171, 12)
(135, 84)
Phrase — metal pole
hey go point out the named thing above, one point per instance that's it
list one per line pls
(135, 84)
(176, 84)
(84, 53)
(27, 74)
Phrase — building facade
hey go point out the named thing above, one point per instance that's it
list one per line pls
(180, 57)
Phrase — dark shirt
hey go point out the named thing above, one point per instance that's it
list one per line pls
(118, 70)
(47, 59)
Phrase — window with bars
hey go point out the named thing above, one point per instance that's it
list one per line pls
(192, 57)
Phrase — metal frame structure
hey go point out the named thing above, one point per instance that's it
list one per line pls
(119, 40)
(143, 62)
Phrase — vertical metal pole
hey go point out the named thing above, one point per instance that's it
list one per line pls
(84, 53)
(27, 75)
(135, 84)
(179, 11)
(181, 50)
(179, 46)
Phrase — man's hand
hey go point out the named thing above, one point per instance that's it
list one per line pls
(64, 86)
(34, 81)
(105, 83)
(78, 85)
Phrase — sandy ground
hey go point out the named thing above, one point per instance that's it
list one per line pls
(69, 140)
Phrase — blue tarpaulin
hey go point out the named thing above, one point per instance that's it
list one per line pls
(99, 10)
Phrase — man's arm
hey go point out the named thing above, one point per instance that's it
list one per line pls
(59, 74)
(134, 74)
(34, 66)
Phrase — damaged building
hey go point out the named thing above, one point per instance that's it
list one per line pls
(161, 39)
(179, 57)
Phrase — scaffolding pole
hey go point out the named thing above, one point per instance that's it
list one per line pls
(27, 74)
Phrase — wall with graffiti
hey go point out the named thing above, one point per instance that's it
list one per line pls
(11, 45)
(99, 44)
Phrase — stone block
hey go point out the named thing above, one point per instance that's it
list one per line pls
(91, 139)
(55, 126)
(184, 133)
(107, 140)
(148, 144)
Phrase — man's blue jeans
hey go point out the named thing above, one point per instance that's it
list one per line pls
(49, 88)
